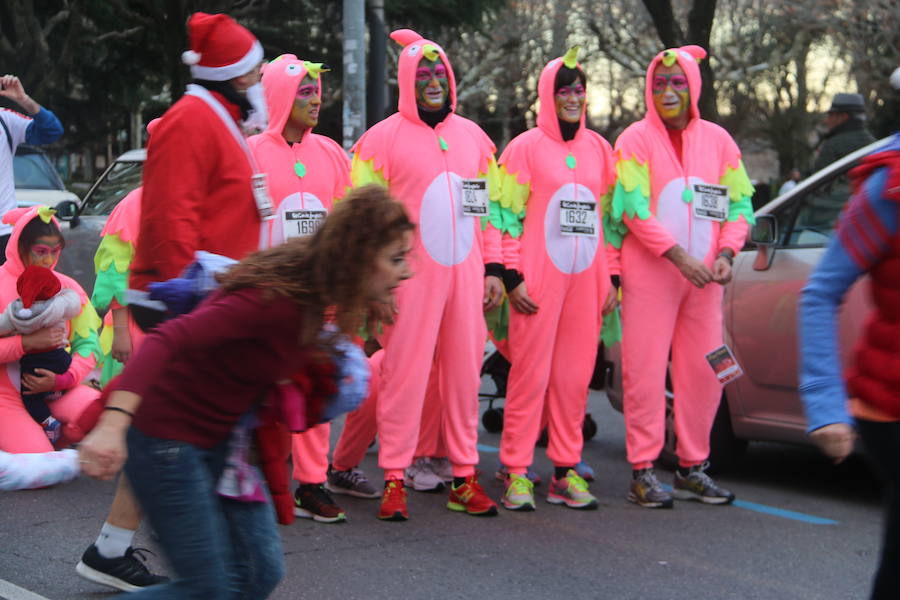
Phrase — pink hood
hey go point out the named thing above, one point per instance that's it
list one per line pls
(280, 79)
(19, 218)
(688, 58)
(547, 118)
(414, 48)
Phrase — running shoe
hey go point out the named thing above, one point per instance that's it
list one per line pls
(699, 486)
(572, 491)
(519, 493)
(311, 501)
(647, 492)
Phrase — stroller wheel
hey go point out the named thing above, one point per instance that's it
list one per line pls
(589, 427)
(492, 419)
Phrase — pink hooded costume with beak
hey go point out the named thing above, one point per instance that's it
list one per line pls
(305, 179)
(78, 408)
(566, 274)
(440, 318)
(654, 208)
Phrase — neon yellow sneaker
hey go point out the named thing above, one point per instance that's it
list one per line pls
(519, 494)
(571, 490)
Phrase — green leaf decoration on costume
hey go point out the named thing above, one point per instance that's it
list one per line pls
(611, 330)
(613, 231)
(507, 210)
(571, 162)
(631, 197)
(363, 172)
(300, 169)
(108, 285)
(83, 338)
(443, 144)
(740, 190)
(112, 262)
(497, 320)
(314, 70)
(687, 194)
(571, 57)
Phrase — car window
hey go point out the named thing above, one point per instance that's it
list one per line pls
(34, 172)
(810, 220)
(116, 183)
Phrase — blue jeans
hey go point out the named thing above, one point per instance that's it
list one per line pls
(218, 547)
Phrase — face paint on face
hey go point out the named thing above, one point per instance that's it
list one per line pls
(432, 85)
(305, 112)
(569, 100)
(43, 252)
(671, 95)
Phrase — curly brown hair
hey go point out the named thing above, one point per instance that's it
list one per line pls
(329, 271)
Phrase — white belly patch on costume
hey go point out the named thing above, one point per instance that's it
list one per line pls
(673, 213)
(571, 254)
(296, 216)
(447, 234)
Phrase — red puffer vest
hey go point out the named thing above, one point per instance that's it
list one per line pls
(875, 376)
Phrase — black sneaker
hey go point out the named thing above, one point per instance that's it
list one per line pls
(311, 501)
(699, 486)
(127, 573)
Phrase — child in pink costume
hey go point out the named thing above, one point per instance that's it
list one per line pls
(670, 258)
(425, 154)
(307, 173)
(78, 408)
(558, 285)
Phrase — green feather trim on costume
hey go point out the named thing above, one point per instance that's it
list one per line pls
(83, 337)
(362, 172)
(741, 191)
(507, 208)
(110, 283)
(495, 193)
(113, 249)
(497, 320)
(611, 330)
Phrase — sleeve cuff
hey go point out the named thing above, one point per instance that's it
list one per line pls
(511, 279)
(494, 270)
(616, 281)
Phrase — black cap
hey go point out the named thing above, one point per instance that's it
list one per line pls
(847, 103)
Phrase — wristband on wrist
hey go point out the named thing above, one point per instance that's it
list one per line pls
(726, 257)
(118, 409)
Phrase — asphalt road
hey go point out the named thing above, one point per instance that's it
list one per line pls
(801, 529)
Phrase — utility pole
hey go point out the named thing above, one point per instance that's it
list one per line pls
(376, 108)
(354, 115)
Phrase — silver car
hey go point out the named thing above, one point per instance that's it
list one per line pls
(86, 218)
(760, 317)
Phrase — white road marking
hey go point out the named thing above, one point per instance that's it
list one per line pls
(10, 591)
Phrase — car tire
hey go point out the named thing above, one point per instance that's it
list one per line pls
(724, 448)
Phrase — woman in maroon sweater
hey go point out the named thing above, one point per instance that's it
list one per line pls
(197, 376)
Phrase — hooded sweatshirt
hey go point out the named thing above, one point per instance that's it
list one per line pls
(424, 167)
(655, 192)
(305, 178)
(82, 329)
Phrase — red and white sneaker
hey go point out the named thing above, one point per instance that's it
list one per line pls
(471, 498)
(393, 502)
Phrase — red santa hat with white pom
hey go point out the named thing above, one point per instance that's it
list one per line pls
(221, 49)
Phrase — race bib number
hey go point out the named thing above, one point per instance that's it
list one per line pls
(301, 223)
(724, 364)
(578, 218)
(475, 197)
(261, 196)
(710, 201)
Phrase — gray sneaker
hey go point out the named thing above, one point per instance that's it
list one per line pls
(352, 483)
(699, 486)
(647, 492)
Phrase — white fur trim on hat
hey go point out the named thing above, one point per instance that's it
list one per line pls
(24, 313)
(253, 57)
(190, 58)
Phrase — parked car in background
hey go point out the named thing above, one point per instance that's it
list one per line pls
(36, 180)
(85, 218)
(760, 317)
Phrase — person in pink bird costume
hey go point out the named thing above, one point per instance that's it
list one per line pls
(680, 212)
(556, 178)
(441, 167)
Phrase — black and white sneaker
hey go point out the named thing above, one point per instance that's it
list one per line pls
(127, 573)
(699, 486)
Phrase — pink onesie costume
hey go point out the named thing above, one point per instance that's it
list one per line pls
(305, 179)
(112, 262)
(550, 216)
(440, 309)
(656, 201)
(78, 408)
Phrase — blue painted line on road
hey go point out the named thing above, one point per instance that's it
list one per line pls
(778, 512)
(483, 448)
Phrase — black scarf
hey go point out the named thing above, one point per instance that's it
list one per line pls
(433, 118)
(229, 93)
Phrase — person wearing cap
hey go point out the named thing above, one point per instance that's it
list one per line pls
(846, 123)
(441, 167)
(682, 209)
(203, 189)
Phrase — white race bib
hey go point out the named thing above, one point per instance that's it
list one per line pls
(301, 223)
(578, 218)
(475, 197)
(710, 201)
